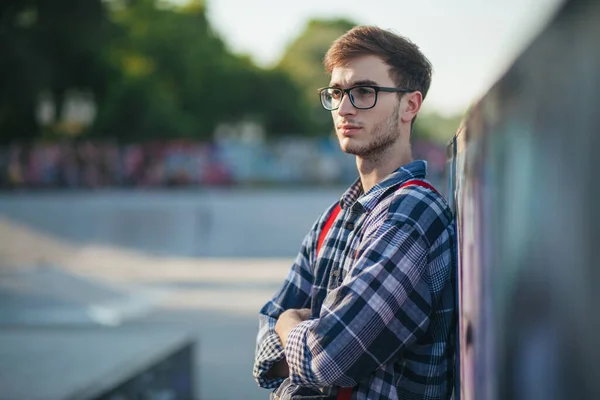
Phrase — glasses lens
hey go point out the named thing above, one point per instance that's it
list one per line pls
(363, 96)
(331, 98)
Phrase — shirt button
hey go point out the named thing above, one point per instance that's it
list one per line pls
(335, 273)
(349, 225)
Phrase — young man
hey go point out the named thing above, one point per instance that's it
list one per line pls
(367, 310)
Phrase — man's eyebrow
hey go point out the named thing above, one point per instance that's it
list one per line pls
(355, 83)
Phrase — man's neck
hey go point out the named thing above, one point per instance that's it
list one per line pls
(374, 169)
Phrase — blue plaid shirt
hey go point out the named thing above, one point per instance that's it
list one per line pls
(382, 297)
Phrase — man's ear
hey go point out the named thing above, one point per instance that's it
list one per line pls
(410, 105)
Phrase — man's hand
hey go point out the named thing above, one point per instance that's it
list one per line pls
(288, 320)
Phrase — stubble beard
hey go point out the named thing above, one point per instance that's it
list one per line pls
(383, 135)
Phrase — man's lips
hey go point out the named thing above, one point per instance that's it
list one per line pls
(348, 130)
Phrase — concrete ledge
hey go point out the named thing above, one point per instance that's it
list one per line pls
(96, 363)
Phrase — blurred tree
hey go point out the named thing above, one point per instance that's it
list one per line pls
(158, 68)
(179, 79)
(154, 70)
(47, 47)
(303, 60)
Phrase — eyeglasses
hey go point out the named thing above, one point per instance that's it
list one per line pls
(362, 97)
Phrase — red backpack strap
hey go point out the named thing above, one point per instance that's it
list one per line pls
(417, 182)
(344, 393)
(327, 226)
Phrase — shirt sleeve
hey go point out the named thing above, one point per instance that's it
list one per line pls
(383, 305)
(295, 293)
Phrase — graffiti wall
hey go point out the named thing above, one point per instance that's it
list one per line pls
(523, 178)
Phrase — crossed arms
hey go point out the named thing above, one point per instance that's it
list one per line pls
(382, 306)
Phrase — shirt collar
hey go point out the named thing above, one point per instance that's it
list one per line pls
(368, 201)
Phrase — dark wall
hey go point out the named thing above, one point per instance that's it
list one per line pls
(523, 177)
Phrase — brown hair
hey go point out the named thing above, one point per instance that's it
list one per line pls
(409, 68)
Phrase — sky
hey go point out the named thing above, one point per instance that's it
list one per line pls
(470, 43)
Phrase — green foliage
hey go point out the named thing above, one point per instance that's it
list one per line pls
(165, 59)
(178, 78)
(47, 47)
(156, 71)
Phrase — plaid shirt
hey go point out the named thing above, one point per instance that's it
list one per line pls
(382, 297)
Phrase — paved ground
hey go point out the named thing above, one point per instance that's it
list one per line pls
(213, 300)
(218, 311)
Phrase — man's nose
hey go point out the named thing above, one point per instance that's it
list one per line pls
(346, 107)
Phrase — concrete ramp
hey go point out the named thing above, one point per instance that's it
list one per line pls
(95, 364)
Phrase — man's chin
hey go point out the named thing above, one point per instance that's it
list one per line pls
(353, 150)
(349, 148)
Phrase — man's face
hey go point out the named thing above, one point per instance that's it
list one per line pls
(366, 133)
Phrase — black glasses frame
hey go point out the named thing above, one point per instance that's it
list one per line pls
(377, 89)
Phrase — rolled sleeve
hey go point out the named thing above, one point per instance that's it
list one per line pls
(298, 355)
(269, 351)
